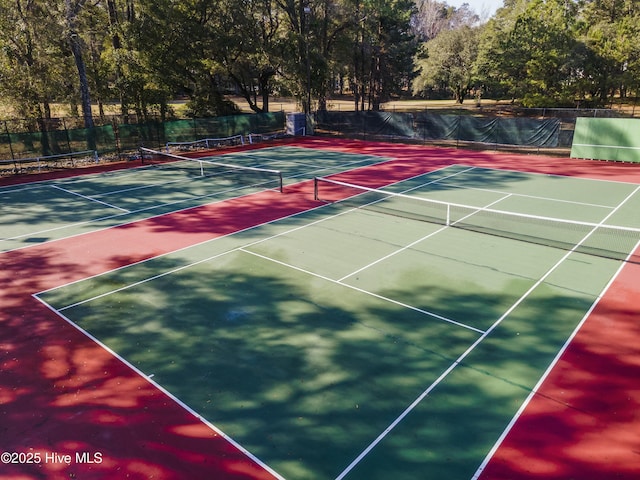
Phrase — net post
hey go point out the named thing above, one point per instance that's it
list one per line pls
(281, 182)
(315, 189)
(448, 214)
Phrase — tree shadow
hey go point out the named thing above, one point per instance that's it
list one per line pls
(305, 383)
(334, 373)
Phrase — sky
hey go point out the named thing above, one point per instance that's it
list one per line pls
(479, 6)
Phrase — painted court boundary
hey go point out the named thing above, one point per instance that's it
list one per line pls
(435, 158)
(472, 347)
(57, 262)
(124, 212)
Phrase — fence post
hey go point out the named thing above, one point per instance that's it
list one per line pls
(66, 132)
(6, 129)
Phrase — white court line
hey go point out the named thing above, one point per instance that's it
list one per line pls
(256, 242)
(466, 353)
(536, 197)
(19, 188)
(140, 282)
(153, 185)
(89, 198)
(616, 147)
(421, 239)
(351, 287)
(46, 183)
(554, 362)
(132, 212)
(179, 402)
(558, 175)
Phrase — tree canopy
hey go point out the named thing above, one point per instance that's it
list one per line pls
(547, 52)
(143, 53)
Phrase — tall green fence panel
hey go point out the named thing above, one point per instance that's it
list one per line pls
(528, 131)
(221, 127)
(102, 139)
(482, 130)
(55, 142)
(428, 126)
(615, 139)
(30, 144)
(267, 122)
(180, 131)
(20, 139)
(132, 136)
(435, 126)
(503, 131)
(388, 124)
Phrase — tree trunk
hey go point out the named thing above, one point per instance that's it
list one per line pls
(85, 96)
(76, 50)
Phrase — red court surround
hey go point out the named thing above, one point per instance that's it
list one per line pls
(61, 394)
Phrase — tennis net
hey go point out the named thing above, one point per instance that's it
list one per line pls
(205, 144)
(58, 161)
(265, 137)
(196, 167)
(609, 241)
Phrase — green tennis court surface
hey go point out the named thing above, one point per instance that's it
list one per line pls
(348, 342)
(39, 212)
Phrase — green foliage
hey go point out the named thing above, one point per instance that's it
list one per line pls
(448, 63)
(145, 52)
(538, 100)
(383, 50)
(35, 62)
(555, 52)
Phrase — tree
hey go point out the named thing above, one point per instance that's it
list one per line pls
(610, 30)
(531, 52)
(34, 63)
(448, 62)
(332, 25)
(254, 54)
(177, 49)
(72, 9)
(383, 50)
(432, 17)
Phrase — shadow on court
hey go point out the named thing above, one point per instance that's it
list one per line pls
(305, 375)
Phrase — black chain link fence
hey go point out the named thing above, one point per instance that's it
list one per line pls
(117, 135)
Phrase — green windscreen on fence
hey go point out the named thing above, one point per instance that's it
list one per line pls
(607, 139)
(23, 140)
(427, 126)
(218, 127)
(384, 124)
(531, 132)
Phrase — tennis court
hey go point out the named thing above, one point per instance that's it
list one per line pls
(308, 340)
(43, 211)
(395, 324)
